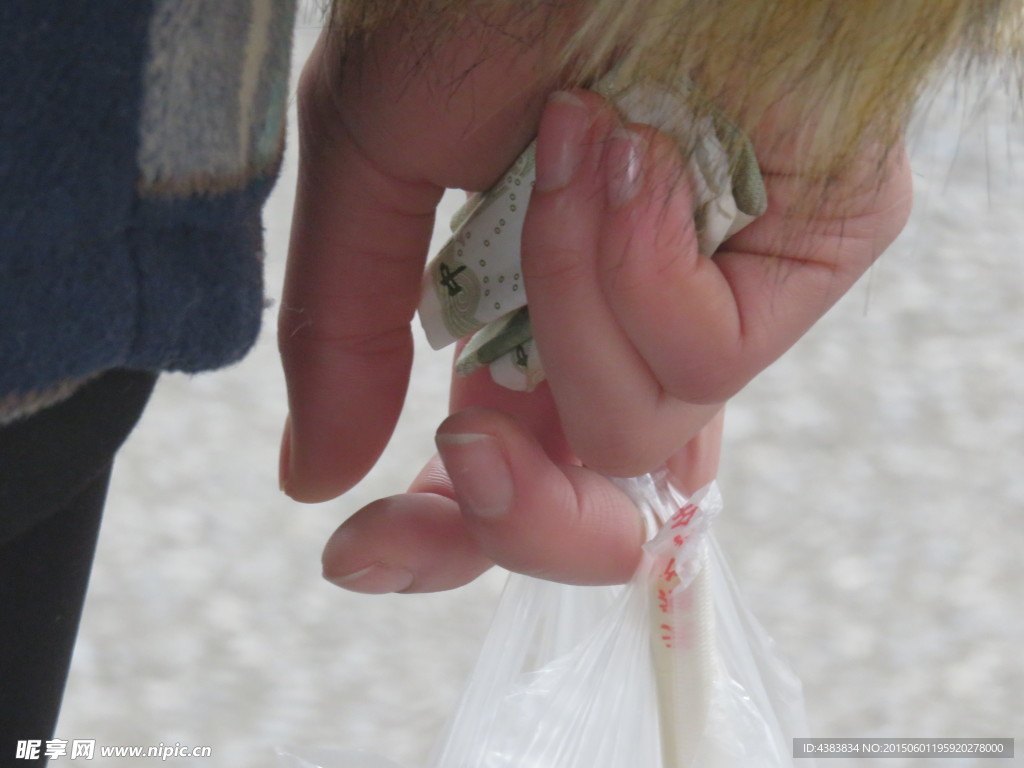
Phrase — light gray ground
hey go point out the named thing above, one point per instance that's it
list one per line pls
(874, 486)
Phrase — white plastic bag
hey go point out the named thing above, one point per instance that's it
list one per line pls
(668, 671)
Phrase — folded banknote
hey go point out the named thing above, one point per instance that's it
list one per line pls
(474, 285)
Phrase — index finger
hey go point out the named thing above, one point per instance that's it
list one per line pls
(381, 134)
(358, 245)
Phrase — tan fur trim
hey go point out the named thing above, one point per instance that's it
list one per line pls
(848, 72)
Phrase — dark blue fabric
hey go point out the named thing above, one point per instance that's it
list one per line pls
(200, 279)
(68, 123)
(92, 278)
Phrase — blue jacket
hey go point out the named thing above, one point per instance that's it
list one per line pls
(139, 140)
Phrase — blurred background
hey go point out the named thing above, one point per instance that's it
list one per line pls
(874, 488)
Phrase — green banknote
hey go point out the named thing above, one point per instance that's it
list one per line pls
(474, 285)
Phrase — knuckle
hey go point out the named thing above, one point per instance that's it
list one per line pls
(553, 263)
(708, 383)
(298, 332)
(618, 451)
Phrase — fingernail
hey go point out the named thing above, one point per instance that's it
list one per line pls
(285, 462)
(560, 145)
(479, 473)
(624, 166)
(376, 579)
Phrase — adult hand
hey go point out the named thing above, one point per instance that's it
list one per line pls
(642, 338)
(384, 128)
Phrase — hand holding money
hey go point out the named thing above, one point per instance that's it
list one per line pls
(642, 337)
(474, 286)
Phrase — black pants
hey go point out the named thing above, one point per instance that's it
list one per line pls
(54, 470)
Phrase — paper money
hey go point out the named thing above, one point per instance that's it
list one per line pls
(506, 346)
(496, 339)
(475, 278)
(474, 285)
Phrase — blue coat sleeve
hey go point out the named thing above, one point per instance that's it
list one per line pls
(138, 143)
